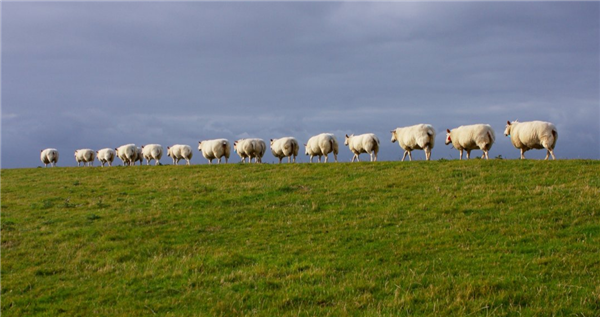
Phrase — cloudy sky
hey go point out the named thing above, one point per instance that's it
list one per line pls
(94, 75)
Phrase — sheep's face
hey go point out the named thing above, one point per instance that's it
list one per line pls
(272, 141)
(394, 136)
(306, 150)
(200, 146)
(507, 129)
(448, 138)
(347, 139)
(75, 154)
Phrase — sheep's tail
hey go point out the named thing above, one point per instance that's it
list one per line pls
(491, 137)
(431, 136)
(555, 135)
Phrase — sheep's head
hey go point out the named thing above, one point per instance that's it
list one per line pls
(200, 146)
(448, 138)
(347, 139)
(394, 139)
(169, 151)
(273, 141)
(508, 128)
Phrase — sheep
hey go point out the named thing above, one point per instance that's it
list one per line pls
(321, 145)
(250, 148)
(532, 135)
(49, 156)
(215, 149)
(86, 156)
(128, 154)
(106, 155)
(472, 137)
(416, 137)
(364, 143)
(260, 148)
(285, 147)
(243, 147)
(180, 151)
(139, 156)
(152, 152)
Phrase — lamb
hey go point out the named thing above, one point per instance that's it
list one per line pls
(321, 145)
(472, 137)
(86, 156)
(180, 151)
(416, 137)
(152, 152)
(49, 156)
(215, 149)
(128, 154)
(285, 147)
(250, 148)
(364, 143)
(106, 155)
(532, 135)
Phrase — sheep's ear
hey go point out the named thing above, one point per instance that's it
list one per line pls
(448, 130)
(346, 135)
(271, 140)
(508, 122)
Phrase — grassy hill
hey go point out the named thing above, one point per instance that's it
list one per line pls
(440, 238)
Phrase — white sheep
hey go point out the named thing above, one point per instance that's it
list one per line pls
(285, 147)
(180, 151)
(260, 150)
(49, 156)
(106, 155)
(152, 152)
(215, 149)
(243, 147)
(532, 135)
(472, 137)
(364, 143)
(128, 154)
(139, 156)
(86, 156)
(321, 145)
(416, 137)
(250, 148)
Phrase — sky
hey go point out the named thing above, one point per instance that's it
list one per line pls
(95, 75)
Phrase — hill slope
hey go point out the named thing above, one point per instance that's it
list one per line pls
(421, 238)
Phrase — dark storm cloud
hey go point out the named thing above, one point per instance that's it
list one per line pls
(95, 75)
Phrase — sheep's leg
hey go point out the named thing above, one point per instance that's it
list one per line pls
(468, 154)
(552, 153)
(461, 154)
(410, 155)
(404, 156)
(320, 158)
(427, 153)
(522, 154)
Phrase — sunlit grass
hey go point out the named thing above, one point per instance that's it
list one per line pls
(441, 238)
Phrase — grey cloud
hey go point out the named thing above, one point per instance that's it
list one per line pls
(176, 72)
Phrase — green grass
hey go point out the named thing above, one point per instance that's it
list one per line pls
(440, 238)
